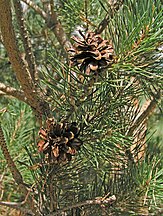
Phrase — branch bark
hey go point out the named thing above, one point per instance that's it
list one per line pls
(8, 90)
(26, 41)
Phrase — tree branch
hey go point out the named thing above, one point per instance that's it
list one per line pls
(8, 90)
(15, 172)
(53, 24)
(52, 6)
(34, 97)
(17, 206)
(98, 201)
(26, 41)
(37, 9)
(2, 93)
(113, 8)
(145, 114)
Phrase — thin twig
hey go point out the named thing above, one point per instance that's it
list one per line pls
(37, 9)
(86, 11)
(157, 212)
(8, 90)
(46, 5)
(52, 6)
(114, 7)
(53, 24)
(2, 93)
(26, 41)
(15, 172)
(1, 181)
(98, 201)
(17, 206)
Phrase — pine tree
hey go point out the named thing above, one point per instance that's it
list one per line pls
(81, 86)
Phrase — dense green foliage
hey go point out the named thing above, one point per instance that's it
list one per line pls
(103, 107)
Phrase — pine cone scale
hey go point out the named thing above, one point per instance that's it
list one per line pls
(59, 140)
(91, 52)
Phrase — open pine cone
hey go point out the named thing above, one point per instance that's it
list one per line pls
(91, 53)
(59, 140)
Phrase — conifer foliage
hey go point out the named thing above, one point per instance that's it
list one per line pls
(81, 83)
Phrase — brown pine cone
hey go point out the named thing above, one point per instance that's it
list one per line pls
(59, 140)
(91, 53)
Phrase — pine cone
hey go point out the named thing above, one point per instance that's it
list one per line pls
(59, 140)
(91, 53)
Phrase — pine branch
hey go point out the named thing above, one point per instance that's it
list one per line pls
(46, 5)
(8, 90)
(98, 201)
(9, 39)
(157, 212)
(36, 8)
(52, 6)
(53, 24)
(15, 172)
(138, 127)
(147, 112)
(26, 41)
(17, 206)
(114, 7)
(2, 93)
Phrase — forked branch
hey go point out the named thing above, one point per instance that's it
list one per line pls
(32, 94)
(53, 24)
